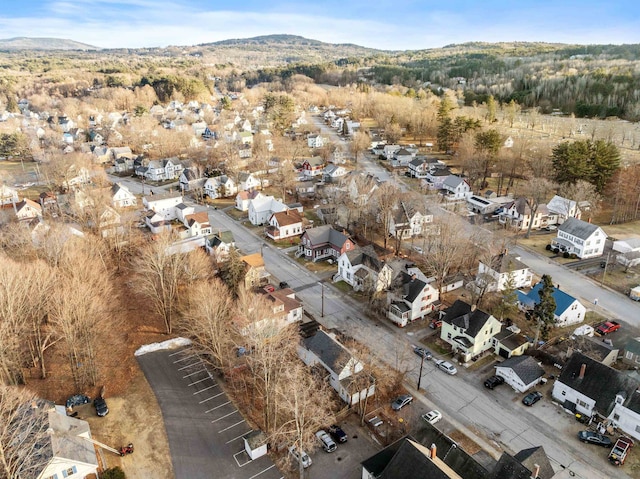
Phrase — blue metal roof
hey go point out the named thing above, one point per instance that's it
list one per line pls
(563, 300)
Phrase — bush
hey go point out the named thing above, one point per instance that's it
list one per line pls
(113, 473)
(565, 254)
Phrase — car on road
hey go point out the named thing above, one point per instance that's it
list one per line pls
(493, 381)
(101, 406)
(284, 285)
(301, 456)
(595, 438)
(337, 433)
(446, 366)
(551, 228)
(327, 443)
(532, 398)
(422, 352)
(401, 401)
(432, 417)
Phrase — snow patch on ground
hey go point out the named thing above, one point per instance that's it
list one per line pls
(169, 344)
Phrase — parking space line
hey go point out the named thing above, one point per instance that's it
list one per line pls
(232, 426)
(214, 408)
(199, 381)
(237, 437)
(203, 390)
(191, 365)
(222, 417)
(213, 397)
(192, 374)
(246, 458)
(264, 470)
(177, 352)
(184, 359)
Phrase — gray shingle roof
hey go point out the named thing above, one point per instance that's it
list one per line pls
(536, 456)
(525, 367)
(578, 228)
(326, 234)
(330, 351)
(460, 315)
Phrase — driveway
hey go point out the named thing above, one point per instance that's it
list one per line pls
(203, 426)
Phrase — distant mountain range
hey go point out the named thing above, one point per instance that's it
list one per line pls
(282, 39)
(27, 43)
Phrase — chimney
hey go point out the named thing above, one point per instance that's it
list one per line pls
(473, 307)
(582, 370)
(536, 471)
(433, 451)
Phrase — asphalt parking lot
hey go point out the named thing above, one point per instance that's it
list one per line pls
(203, 426)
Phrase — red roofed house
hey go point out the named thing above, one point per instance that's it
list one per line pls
(243, 198)
(284, 224)
(198, 224)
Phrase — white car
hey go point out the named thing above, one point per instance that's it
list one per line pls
(302, 457)
(327, 443)
(446, 366)
(418, 249)
(432, 417)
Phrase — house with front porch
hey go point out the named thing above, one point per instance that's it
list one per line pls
(501, 270)
(363, 271)
(346, 372)
(560, 209)
(284, 224)
(221, 186)
(419, 167)
(256, 274)
(435, 178)
(408, 221)
(121, 197)
(568, 309)
(412, 296)
(163, 170)
(455, 188)
(261, 209)
(517, 215)
(578, 237)
(323, 242)
(219, 245)
(468, 330)
(164, 205)
(244, 198)
(197, 224)
(313, 166)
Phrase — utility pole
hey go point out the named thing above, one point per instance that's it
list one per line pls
(606, 264)
(322, 304)
(420, 376)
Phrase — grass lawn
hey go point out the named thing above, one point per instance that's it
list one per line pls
(237, 214)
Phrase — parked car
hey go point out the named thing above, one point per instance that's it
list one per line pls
(401, 401)
(493, 381)
(301, 456)
(327, 443)
(531, 398)
(551, 228)
(418, 249)
(284, 285)
(337, 433)
(446, 366)
(432, 417)
(422, 352)
(101, 406)
(435, 323)
(595, 438)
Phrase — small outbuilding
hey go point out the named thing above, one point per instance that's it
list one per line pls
(520, 372)
(255, 444)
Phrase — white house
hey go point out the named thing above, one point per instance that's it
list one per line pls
(76, 178)
(244, 198)
(494, 275)
(261, 209)
(560, 209)
(587, 387)
(315, 141)
(407, 221)
(389, 150)
(517, 214)
(333, 172)
(28, 209)
(578, 237)
(191, 179)
(162, 170)
(456, 187)
(66, 450)
(520, 372)
(219, 245)
(286, 307)
(197, 224)
(284, 224)
(568, 309)
(8, 195)
(164, 205)
(121, 197)
(362, 270)
(468, 330)
(412, 297)
(627, 245)
(346, 374)
(220, 186)
(247, 181)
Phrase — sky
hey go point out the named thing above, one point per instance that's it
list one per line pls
(382, 24)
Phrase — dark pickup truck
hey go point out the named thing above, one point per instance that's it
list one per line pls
(620, 450)
(607, 327)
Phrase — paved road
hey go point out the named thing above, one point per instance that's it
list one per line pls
(136, 187)
(495, 424)
(203, 427)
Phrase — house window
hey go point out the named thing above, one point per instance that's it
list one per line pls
(55, 476)
(581, 403)
(69, 472)
(564, 393)
(616, 417)
(637, 359)
(448, 335)
(628, 355)
(637, 428)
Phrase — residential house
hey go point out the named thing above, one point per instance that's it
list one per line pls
(333, 173)
(419, 167)
(629, 260)
(588, 387)
(261, 209)
(219, 245)
(245, 137)
(197, 224)
(244, 198)
(255, 273)
(121, 197)
(182, 210)
(408, 221)
(468, 330)
(8, 195)
(517, 214)
(323, 242)
(631, 355)
(164, 205)
(163, 170)
(27, 209)
(362, 187)
(502, 270)
(327, 214)
(248, 181)
(122, 152)
(578, 237)
(110, 223)
(49, 203)
(346, 372)
(485, 205)
(102, 154)
(66, 450)
(520, 372)
(284, 224)
(363, 271)
(401, 158)
(509, 342)
(313, 166)
(191, 179)
(627, 245)
(390, 150)
(315, 141)
(76, 178)
(560, 209)
(221, 186)
(455, 188)
(286, 308)
(594, 347)
(568, 309)
(412, 297)
(435, 178)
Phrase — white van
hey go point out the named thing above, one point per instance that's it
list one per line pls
(300, 456)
